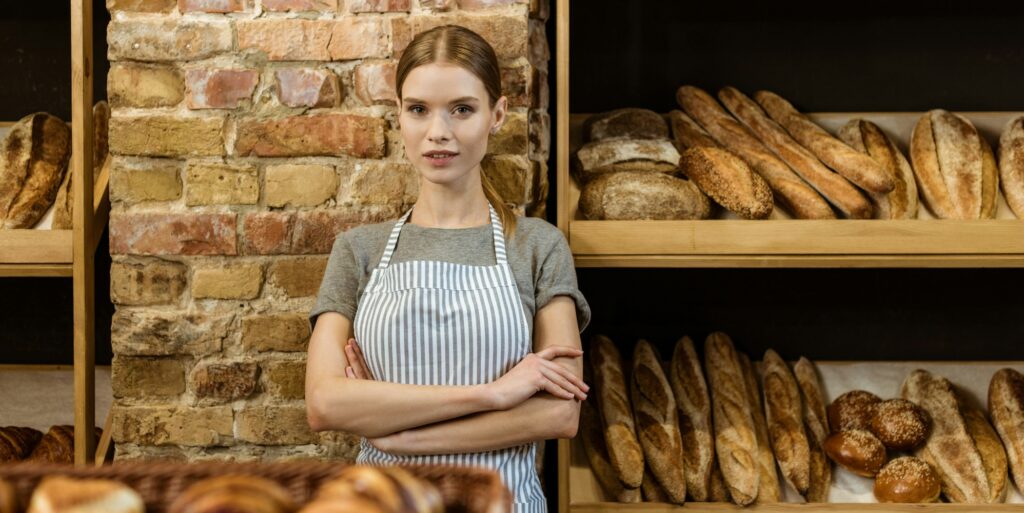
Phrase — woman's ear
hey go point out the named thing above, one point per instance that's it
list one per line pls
(498, 115)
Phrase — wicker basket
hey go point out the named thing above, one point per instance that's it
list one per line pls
(465, 489)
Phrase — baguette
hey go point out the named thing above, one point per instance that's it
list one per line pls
(651, 490)
(657, 425)
(613, 402)
(592, 431)
(789, 189)
(1006, 405)
(866, 137)
(687, 133)
(949, 163)
(735, 438)
(717, 491)
(949, 448)
(768, 489)
(856, 167)
(1011, 167)
(691, 394)
(832, 186)
(784, 410)
(632, 195)
(821, 471)
(806, 374)
(993, 455)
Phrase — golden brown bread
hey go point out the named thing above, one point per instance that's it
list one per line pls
(900, 424)
(33, 160)
(628, 123)
(855, 166)
(813, 398)
(63, 206)
(717, 490)
(16, 443)
(949, 448)
(768, 489)
(858, 450)
(735, 438)
(634, 195)
(9, 502)
(821, 471)
(852, 410)
(727, 180)
(866, 137)
(611, 155)
(592, 432)
(1011, 166)
(789, 189)
(1006, 405)
(233, 493)
(57, 445)
(784, 412)
(651, 490)
(832, 186)
(949, 164)
(907, 479)
(688, 133)
(657, 424)
(989, 181)
(58, 494)
(993, 455)
(691, 393)
(613, 401)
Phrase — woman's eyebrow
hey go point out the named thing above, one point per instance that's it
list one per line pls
(457, 100)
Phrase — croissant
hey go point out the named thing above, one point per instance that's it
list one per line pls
(17, 442)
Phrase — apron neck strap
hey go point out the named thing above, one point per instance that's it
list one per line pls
(497, 230)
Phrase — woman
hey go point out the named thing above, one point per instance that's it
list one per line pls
(466, 319)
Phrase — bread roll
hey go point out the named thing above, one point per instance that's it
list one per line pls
(858, 450)
(768, 489)
(58, 494)
(949, 448)
(727, 180)
(620, 432)
(1011, 167)
(611, 155)
(866, 137)
(592, 431)
(993, 455)
(735, 439)
(33, 159)
(907, 479)
(852, 410)
(16, 443)
(691, 393)
(900, 424)
(1006, 405)
(832, 186)
(788, 188)
(626, 123)
(950, 165)
(784, 411)
(657, 424)
(634, 195)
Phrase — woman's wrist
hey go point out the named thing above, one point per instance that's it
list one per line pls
(484, 397)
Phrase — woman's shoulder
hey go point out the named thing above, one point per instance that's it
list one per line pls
(537, 234)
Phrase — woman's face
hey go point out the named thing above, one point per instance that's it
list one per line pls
(445, 120)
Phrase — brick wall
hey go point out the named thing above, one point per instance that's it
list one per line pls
(246, 135)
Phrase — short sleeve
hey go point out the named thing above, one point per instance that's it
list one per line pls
(557, 277)
(340, 285)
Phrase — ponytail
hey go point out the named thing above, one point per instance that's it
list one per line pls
(505, 214)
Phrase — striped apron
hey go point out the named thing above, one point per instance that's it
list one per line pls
(437, 323)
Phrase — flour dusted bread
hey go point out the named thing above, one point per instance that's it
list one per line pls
(691, 394)
(1011, 165)
(1006, 405)
(768, 489)
(866, 137)
(611, 155)
(816, 429)
(592, 433)
(657, 424)
(993, 455)
(632, 195)
(33, 160)
(628, 123)
(620, 431)
(784, 412)
(735, 438)
(953, 166)
(58, 494)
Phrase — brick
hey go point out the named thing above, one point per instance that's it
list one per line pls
(172, 234)
(358, 38)
(147, 377)
(298, 277)
(540, 135)
(172, 425)
(163, 333)
(300, 5)
(478, 5)
(392, 183)
(135, 181)
(324, 134)
(285, 379)
(358, 6)
(375, 82)
(512, 138)
(299, 185)
(540, 9)
(510, 175)
(305, 232)
(507, 33)
(539, 52)
(141, 5)
(220, 88)
(221, 184)
(134, 85)
(517, 86)
(267, 233)
(154, 282)
(166, 136)
(316, 230)
(218, 6)
(275, 332)
(303, 87)
(233, 281)
(288, 39)
(275, 425)
(340, 445)
(131, 452)
(224, 381)
(167, 39)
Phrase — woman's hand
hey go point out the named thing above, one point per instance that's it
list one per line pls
(537, 372)
(357, 368)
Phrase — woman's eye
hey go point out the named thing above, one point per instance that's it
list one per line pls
(464, 109)
(416, 109)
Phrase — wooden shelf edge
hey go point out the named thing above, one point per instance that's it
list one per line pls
(606, 507)
(799, 261)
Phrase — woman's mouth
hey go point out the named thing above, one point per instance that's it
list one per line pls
(439, 158)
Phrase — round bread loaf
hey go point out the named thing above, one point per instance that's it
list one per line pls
(857, 450)
(234, 493)
(852, 410)
(907, 479)
(631, 195)
(900, 424)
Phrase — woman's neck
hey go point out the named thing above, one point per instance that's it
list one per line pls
(451, 205)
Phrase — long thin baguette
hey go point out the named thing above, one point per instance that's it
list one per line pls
(657, 425)
(821, 472)
(592, 433)
(784, 410)
(717, 490)
(816, 426)
(768, 489)
(735, 438)
(691, 394)
(1006, 405)
(651, 490)
(833, 186)
(857, 167)
(620, 432)
(790, 190)
(1011, 167)
(993, 454)
(866, 137)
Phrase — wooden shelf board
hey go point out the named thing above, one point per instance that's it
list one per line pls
(606, 507)
(798, 261)
(35, 247)
(35, 270)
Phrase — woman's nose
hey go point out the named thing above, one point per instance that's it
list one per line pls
(440, 128)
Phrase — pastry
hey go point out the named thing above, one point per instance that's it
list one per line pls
(59, 494)
(16, 443)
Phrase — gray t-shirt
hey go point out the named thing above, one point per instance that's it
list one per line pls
(538, 254)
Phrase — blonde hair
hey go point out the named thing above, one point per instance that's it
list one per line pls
(462, 47)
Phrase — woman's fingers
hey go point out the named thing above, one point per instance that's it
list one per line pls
(556, 390)
(362, 359)
(572, 390)
(356, 362)
(569, 375)
(550, 353)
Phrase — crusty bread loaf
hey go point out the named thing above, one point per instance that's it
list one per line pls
(64, 204)
(789, 189)
(628, 123)
(620, 432)
(1011, 167)
(735, 439)
(717, 490)
(687, 133)
(856, 167)
(16, 443)
(632, 195)
(657, 423)
(949, 449)
(58, 494)
(768, 489)
(948, 159)
(691, 393)
(832, 186)
(785, 416)
(592, 433)
(1006, 405)
(993, 455)
(813, 397)
(727, 180)
(866, 137)
(989, 181)
(651, 490)
(611, 155)
(821, 470)
(33, 160)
